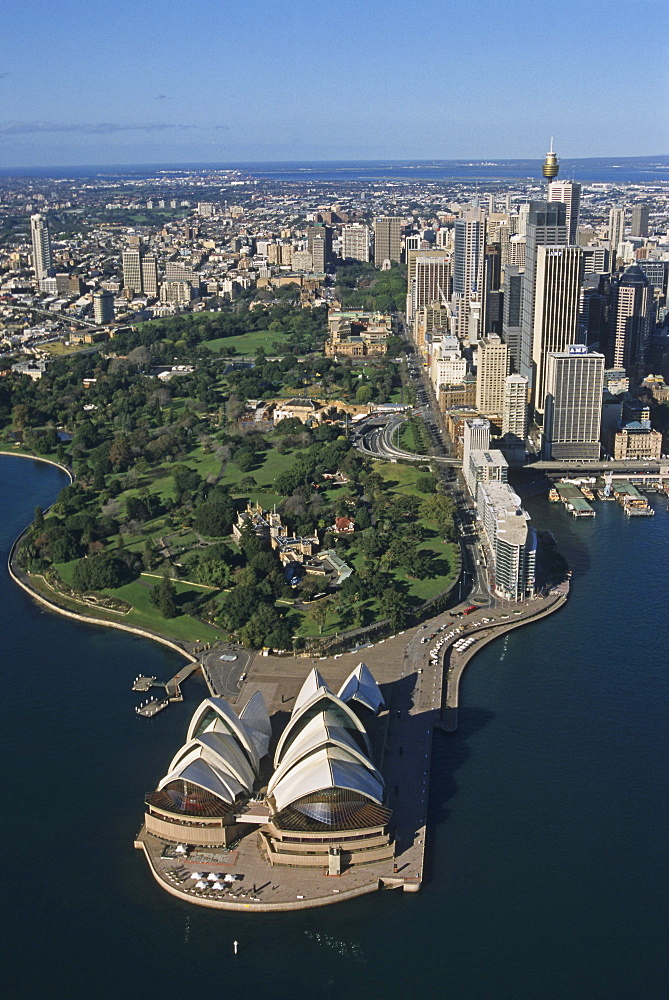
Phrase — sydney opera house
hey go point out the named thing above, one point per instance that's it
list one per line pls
(316, 801)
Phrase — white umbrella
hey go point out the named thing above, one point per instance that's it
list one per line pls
(218, 885)
(201, 884)
(196, 875)
(212, 878)
(228, 878)
(181, 849)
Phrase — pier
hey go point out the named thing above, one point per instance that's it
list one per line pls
(152, 707)
(143, 684)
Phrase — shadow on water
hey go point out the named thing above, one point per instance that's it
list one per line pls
(450, 751)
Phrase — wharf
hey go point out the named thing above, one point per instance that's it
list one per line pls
(574, 501)
(143, 684)
(173, 685)
(152, 707)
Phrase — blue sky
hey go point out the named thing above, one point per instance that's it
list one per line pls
(135, 81)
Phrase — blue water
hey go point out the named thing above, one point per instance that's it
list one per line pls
(548, 864)
(611, 170)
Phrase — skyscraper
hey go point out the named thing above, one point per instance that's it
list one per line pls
(431, 280)
(546, 225)
(387, 239)
(150, 276)
(42, 257)
(572, 419)
(630, 318)
(319, 239)
(512, 313)
(475, 437)
(492, 368)
(556, 309)
(640, 214)
(468, 274)
(616, 233)
(132, 270)
(569, 193)
(514, 417)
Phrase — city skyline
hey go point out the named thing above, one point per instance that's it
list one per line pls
(297, 82)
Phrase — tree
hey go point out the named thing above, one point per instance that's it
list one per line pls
(163, 597)
(100, 571)
(392, 606)
(318, 614)
(214, 517)
(440, 509)
(38, 519)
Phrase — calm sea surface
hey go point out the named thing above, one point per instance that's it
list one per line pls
(609, 170)
(549, 810)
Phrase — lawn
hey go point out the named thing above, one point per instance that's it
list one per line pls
(143, 614)
(247, 343)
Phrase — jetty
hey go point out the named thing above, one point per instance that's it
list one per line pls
(143, 684)
(152, 707)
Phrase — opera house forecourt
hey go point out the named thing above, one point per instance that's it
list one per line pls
(230, 825)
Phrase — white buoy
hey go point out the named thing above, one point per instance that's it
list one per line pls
(235, 946)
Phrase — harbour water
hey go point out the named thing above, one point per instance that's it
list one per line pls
(548, 809)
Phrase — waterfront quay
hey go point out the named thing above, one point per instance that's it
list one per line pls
(421, 693)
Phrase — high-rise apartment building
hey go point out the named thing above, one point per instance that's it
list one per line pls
(387, 239)
(468, 275)
(42, 256)
(475, 437)
(546, 225)
(640, 217)
(569, 193)
(355, 242)
(514, 414)
(492, 368)
(512, 541)
(319, 245)
(132, 270)
(103, 307)
(630, 321)
(150, 276)
(556, 309)
(572, 418)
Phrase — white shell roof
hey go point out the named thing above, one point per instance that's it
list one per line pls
(198, 771)
(331, 767)
(316, 735)
(311, 686)
(336, 703)
(220, 750)
(361, 686)
(224, 719)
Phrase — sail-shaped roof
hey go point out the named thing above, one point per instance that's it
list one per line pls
(361, 686)
(331, 767)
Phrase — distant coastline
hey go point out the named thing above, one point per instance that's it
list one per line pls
(608, 170)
